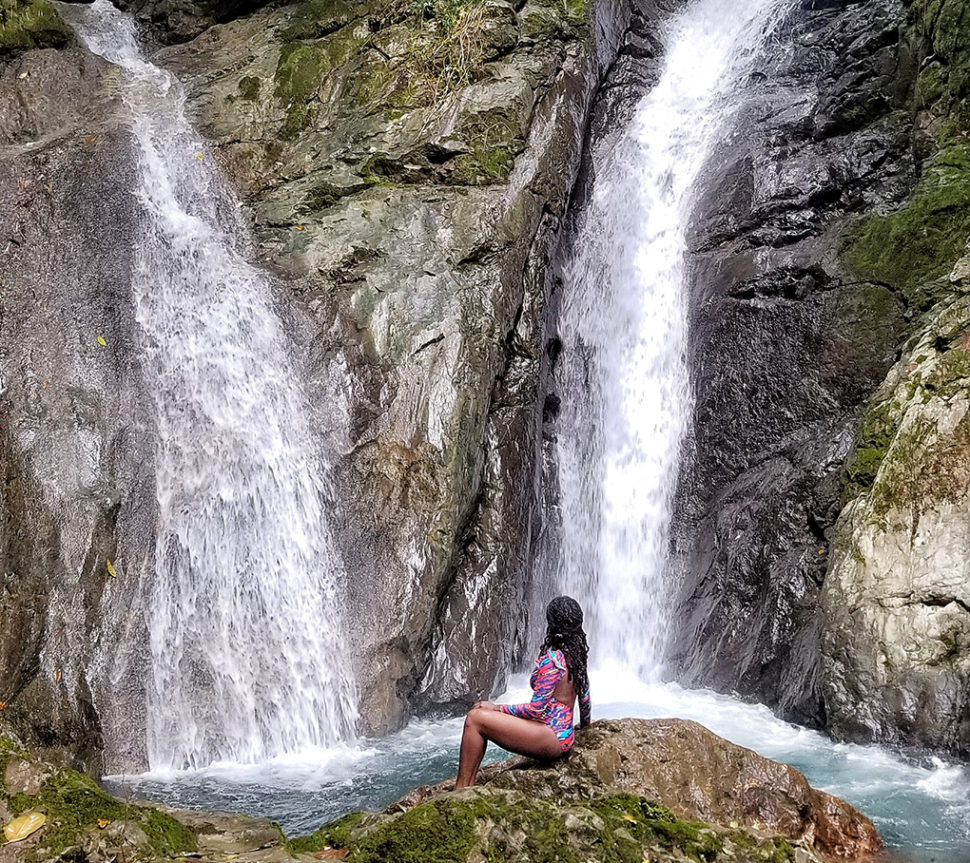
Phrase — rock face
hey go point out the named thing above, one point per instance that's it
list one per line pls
(896, 611)
(824, 247)
(896, 601)
(70, 443)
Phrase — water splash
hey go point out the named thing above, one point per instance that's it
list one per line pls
(624, 378)
(246, 658)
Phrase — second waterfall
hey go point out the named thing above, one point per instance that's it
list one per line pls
(624, 376)
(246, 658)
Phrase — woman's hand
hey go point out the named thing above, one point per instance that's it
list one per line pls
(484, 705)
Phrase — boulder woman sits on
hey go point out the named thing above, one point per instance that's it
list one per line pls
(542, 728)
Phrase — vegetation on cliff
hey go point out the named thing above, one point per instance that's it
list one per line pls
(26, 24)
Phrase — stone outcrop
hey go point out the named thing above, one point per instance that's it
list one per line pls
(896, 601)
(695, 774)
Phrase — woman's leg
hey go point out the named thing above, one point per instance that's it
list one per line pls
(522, 736)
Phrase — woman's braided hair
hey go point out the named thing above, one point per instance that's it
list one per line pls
(564, 631)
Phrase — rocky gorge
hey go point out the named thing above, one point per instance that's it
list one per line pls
(410, 176)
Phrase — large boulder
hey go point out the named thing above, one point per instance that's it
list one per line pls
(692, 772)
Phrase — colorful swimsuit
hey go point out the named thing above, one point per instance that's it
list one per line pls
(550, 668)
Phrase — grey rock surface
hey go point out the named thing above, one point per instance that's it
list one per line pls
(785, 346)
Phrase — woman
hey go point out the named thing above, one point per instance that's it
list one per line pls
(543, 728)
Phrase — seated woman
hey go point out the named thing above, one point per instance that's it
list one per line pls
(543, 728)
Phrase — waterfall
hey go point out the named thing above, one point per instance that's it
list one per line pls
(244, 633)
(623, 376)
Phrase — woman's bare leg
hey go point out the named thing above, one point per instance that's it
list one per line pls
(522, 736)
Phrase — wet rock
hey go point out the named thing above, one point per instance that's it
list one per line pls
(638, 772)
(72, 442)
(785, 347)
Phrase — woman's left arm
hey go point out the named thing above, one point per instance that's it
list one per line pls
(543, 683)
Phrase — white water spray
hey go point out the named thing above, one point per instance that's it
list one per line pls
(244, 633)
(624, 380)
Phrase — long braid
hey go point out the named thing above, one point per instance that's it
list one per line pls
(564, 631)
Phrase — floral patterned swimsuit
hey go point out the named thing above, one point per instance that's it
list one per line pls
(549, 669)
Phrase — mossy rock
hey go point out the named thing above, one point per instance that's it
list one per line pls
(503, 825)
(913, 248)
(876, 432)
(74, 805)
(27, 24)
(493, 138)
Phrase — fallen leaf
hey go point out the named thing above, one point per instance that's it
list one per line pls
(23, 826)
(102, 342)
(89, 139)
(3, 705)
(103, 822)
(821, 551)
(23, 75)
(198, 155)
(57, 675)
(231, 857)
(629, 818)
(299, 227)
(733, 824)
(111, 569)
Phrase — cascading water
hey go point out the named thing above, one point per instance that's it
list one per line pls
(623, 375)
(246, 661)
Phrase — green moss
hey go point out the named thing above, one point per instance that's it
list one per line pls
(441, 831)
(937, 29)
(74, 803)
(492, 139)
(336, 834)
(314, 19)
(497, 828)
(249, 87)
(26, 24)
(876, 432)
(922, 240)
